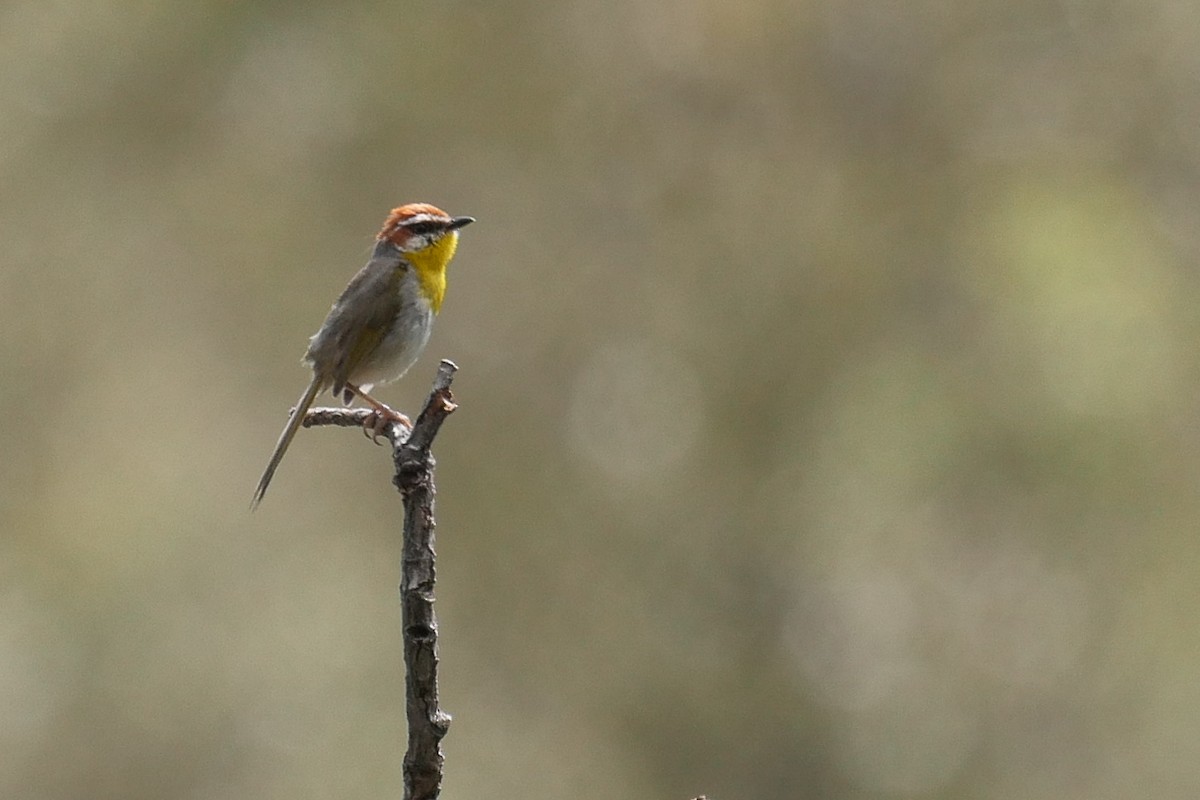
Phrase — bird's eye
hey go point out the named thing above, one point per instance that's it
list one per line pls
(423, 228)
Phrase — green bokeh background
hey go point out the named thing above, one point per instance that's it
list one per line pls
(828, 398)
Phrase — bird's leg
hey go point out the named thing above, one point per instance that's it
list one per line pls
(382, 416)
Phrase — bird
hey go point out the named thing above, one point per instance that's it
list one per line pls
(381, 322)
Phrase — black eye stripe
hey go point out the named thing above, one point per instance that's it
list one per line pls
(424, 227)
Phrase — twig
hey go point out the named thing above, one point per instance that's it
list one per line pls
(427, 723)
(341, 417)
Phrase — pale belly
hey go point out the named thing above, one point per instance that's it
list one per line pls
(398, 350)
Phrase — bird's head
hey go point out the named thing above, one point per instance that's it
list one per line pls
(426, 238)
(417, 227)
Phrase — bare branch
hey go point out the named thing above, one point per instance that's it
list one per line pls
(341, 417)
(427, 723)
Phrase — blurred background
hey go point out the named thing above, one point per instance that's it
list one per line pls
(828, 398)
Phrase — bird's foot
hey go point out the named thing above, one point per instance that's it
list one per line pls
(380, 419)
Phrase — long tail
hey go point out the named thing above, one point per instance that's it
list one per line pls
(285, 439)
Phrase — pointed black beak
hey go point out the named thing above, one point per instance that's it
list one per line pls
(460, 222)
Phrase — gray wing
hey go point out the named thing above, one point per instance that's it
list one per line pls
(359, 319)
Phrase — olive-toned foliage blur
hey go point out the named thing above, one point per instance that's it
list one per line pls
(829, 395)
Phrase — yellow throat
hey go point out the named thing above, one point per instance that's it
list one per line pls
(430, 265)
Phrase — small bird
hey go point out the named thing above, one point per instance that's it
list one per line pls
(382, 320)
